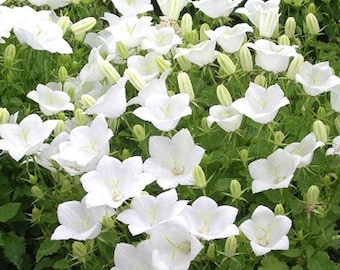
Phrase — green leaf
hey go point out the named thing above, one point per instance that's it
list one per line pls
(47, 247)
(320, 260)
(61, 264)
(270, 262)
(14, 249)
(8, 211)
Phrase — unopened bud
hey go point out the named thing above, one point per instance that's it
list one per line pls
(9, 55)
(235, 189)
(311, 8)
(199, 177)
(4, 116)
(113, 124)
(66, 186)
(186, 23)
(278, 137)
(175, 9)
(37, 192)
(33, 179)
(184, 84)
(230, 247)
(122, 50)
(203, 36)
(138, 132)
(79, 251)
(80, 117)
(205, 125)
(109, 71)
(312, 24)
(313, 193)
(87, 100)
(261, 81)
(125, 153)
(223, 95)
(64, 22)
(326, 180)
(108, 222)
(135, 79)
(320, 131)
(290, 27)
(226, 64)
(279, 209)
(191, 37)
(162, 64)
(184, 63)
(36, 215)
(211, 252)
(283, 40)
(336, 123)
(80, 28)
(321, 112)
(294, 66)
(62, 74)
(244, 155)
(246, 60)
(59, 128)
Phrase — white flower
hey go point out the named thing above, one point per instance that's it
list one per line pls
(79, 222)
(316, 79)
(260, 104)
(113, 181)
(53, 4)
(7, 21)
(144, 65)
(274, 172)
(230, 38)
(266, 231)
(335, 98)
(167, 7)
(226, 117)
(173, 160)
(26, 138)
(201, 54)
(164, 112)
(335, 149)
(216, 8)
(209, 221)
(304, 149)
(147, 211)
(272, 57)
(50, 101)
(132, 7)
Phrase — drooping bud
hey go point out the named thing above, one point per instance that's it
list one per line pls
(320, 131)
(80, 28)
(184, 63)
(4, 115)
(223, 95)
(139, 133)
(294, 66)
(312, 197)
(87, 100)
(9, 55)
(135, 79)
(235, 189)
(186, 23)
(64, 22)
(290, 27)
(230, 247)
(122, 50)
(312, 24)
(203, 36)
(226, 64)
(199, 177)
(162, 64)
(62, 74)
(185, 85)
(246, 60)
(79, 251)
(261, 81)
(279, 209)
(283, 40)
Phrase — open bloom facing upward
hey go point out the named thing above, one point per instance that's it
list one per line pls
(335, 149)
(132, 7)
(276, 171)
(260, 104)
(226, 117)
(173, 160)
(266, 231)
(26, 138)
(216, 8)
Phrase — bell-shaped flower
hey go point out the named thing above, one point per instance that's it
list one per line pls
(304, 149)
(209, 221)
(335, 98)
(79, 222)
(335, 149)
(226, 117)
(85, 147)
(127, 256)
(144, 65)
(7, 21)
(266, 231)
(173, 160)
(53, 4)
(172, 8)
(272, 57)
(260, 104)
(147, 211)
(113, 103)
(216, 8)
(50, 101)
(161, 40)
(26, 138)
(164, 112)
(174, 246)
(132, 7)
(274, 172)
(230, 38)
(201, 54)
(316, 79)
(113, 181)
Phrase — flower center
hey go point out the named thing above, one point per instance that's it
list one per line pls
(178, 170)
(117, 196)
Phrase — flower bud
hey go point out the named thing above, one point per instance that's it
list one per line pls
(4, 116)
(59, 128)
(312, 24)
(186, 23)
(139, 133)
(320, 131)
(175, 9)
(326, 180)
(294, 66)
(162, 64)
(300, 236)
(79, 251)
(226, 64)
(109, 71)
(33, 179)
(312, 198)
(246, 60)
(113, 124)
(80, 28)
(204, 125)
(244, 155)
(108, 222)
(279, 209)
(135, 79)
(261, 81)
(199, 177)
(336, 123)
(62, 74)
(235, 189)
(283, 40)
(184, 63)
(36, 215)
(9, 55)
(80, 117)
(37, 192)
(223, 95)
(211, 252)
(184, 84)
(230, 247)
(87, 100)
(311, 8)
(64, 22)
(125, 153)
(321, 112)
(204, 27)
(122, 50)
(278, 137)
(191, 37)
(290, 27)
